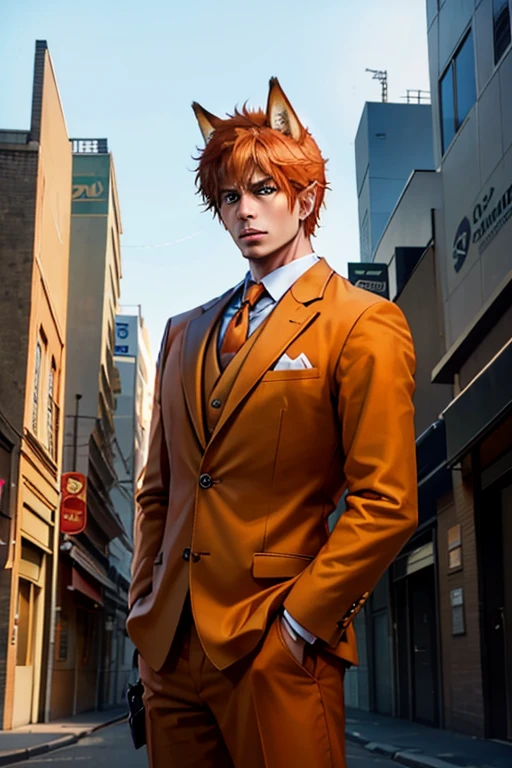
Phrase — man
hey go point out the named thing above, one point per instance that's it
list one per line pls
(271, 401)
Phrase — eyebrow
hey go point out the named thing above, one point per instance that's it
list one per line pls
(256, 185)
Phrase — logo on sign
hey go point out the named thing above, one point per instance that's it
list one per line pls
(375, 286)
(461, 244)
(73, 505)
(490, 215)
(88, 191)
(122, 330)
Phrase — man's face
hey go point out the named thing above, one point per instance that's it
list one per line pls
(258, 217)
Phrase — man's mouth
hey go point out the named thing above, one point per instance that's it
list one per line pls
(251, 234)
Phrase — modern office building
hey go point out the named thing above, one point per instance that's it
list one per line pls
(35, 178)
(392, 141)
(470, 56)
(449, 594)
(134, 361)
(89, 593)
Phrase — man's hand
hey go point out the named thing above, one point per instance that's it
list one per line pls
(294, 643)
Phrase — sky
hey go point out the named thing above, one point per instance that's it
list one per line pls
(128, 71)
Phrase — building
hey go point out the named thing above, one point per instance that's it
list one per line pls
(392, 140)
(35, 177)
(89, 594)
(449, 595)
(470, 56)
(132, 416)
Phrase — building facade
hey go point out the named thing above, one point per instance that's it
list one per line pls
(35, 178)
(392, 140)
(89, 594)
(470, 56)
(449, 594)
(136, 367)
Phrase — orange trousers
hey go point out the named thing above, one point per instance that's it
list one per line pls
(266, 711)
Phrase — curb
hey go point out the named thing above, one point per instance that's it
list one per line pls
(398, 755)
(18, 755)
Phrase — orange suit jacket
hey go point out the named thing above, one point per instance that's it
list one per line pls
(287, 444)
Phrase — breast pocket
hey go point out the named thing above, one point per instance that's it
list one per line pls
(292, 375)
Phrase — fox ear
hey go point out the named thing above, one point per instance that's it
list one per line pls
(207, 121)
(280, 113)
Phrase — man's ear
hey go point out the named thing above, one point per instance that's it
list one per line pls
(307, 200)
(280, 113)
(207, 122)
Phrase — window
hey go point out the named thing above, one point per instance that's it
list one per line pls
(501, 27)
(457, 90)
(37, 374)
(52, 423)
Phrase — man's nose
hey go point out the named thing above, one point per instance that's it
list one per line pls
(245, 207)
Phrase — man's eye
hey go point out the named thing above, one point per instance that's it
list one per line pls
(267, 190)
(230, 197)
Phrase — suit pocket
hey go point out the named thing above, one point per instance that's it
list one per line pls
(270, 565)
(290, 375)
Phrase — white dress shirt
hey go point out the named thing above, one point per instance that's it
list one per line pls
(277, 283)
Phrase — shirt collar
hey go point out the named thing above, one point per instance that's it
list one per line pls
(281, 280)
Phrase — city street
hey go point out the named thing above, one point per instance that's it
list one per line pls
(111, 746)
(215, 426)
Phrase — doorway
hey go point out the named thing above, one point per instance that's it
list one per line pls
(495, 538)
(424, 646)
(416, 633)
(26, 624)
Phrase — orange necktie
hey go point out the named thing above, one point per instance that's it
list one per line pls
(238, 328)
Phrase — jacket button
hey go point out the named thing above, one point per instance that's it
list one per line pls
(205, 481)
(186, 554)
(216, 403)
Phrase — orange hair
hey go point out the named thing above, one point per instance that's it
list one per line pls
(245, 142)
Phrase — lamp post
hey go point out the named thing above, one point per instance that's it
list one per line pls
(75, 431)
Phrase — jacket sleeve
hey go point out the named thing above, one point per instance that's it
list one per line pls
(152, 497)
(375, 384)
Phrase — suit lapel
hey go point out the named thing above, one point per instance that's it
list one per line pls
(296, 310)
(195, 340)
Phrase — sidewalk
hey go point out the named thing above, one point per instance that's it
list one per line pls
(419, 746)
(31, 740)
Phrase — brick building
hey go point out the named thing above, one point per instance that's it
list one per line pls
(35, 175)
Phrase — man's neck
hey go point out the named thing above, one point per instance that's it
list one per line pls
(296, 249)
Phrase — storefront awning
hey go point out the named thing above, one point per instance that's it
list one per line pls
(85, 586)
(434, 478)
(88, 565)
(480, 406)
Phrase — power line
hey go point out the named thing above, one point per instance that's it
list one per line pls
(163, 245)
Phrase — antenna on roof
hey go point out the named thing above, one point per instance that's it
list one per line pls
(382, 76)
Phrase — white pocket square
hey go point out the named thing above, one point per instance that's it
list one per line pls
(285, 363)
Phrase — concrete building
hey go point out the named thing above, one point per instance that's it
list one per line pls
(470, 57)
(35, 178)
(392, 140)
(89, 593)
(449, 594)
(132, 416)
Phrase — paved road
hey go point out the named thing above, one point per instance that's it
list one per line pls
(111, 748)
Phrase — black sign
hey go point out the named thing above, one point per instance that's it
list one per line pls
(371, 277)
